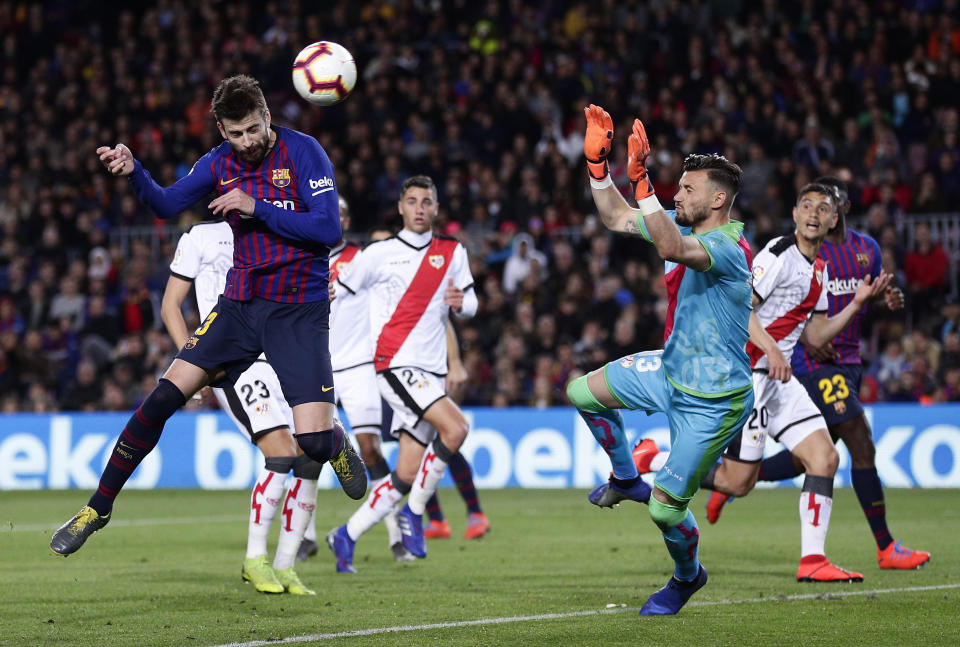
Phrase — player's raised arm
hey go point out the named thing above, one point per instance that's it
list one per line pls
(164, 202)
(650, 221)
(821, 329)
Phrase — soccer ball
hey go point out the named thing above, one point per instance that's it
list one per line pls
(324, 73)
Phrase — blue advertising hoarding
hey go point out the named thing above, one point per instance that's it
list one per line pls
(917, 446)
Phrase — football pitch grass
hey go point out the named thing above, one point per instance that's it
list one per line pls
(554, 571)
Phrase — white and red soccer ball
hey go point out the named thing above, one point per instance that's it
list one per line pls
(324, 73)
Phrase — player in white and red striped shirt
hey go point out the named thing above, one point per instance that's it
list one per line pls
(413, 281)
(790, 302)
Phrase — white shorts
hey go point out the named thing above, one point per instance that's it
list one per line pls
(358, 395)
(785, 412)
(256, 403)
(410, 392)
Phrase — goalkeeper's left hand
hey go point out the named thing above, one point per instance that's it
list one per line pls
(638, 153)
(598, 141)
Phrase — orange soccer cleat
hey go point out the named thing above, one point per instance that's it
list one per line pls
(437, 530)
(477, 526)
(715, 505)
(643, 453)
(817, 568)
(897, 556)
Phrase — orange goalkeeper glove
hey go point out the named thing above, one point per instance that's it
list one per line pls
(638, 153)
(598, 141)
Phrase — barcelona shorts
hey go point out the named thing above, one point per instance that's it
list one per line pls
(835, 389)
(700, 428)
(293, 336)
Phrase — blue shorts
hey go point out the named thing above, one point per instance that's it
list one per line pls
(835, 389)
(294, 337)
(700, 428)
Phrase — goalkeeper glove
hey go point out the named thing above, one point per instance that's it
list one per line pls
(598, 141)
(638, 153)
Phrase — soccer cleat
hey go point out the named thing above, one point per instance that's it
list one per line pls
(897, 556)
(671, 598)
(308, 548)
(349, 469)
(817, 568)
(437, 529)
(411, 531)
(401, 554)
(715, 505)
(70, 536)
(643, 453)
(477, 526)
(258, 572)
(342, 546)
(610, 494)
(291, 583)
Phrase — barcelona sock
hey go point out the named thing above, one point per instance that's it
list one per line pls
(463, 476)
(866, 483)
(136, 440)
(434, 511)
(778, 467)
(321, 446)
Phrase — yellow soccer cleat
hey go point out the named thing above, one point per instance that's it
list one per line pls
(258, 572)
(290, 581)
(71, 535)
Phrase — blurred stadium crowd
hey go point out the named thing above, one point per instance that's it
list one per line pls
(486, 97)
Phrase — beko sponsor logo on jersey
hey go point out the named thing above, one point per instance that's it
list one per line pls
(322, 185)
(843, 286)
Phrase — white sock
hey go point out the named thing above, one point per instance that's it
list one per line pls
(658, 461)
(430, 473)
(393, 526)
(311, 531)
(814, 521)
(298, 509)
(264, 501)
(381, 500)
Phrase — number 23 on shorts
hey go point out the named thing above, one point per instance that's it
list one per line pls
(828, 385)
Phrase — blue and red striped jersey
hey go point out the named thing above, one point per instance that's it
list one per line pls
(279, 253)
(847, 265)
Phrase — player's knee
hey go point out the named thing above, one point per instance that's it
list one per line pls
(305, 467)
(455, 431)
(824, 462)
(667, 515)
(580, 395)
(369, 446)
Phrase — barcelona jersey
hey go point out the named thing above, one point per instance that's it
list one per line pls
(280, 252)
(848, 264)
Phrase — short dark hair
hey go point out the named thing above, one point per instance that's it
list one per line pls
(236, 97)
(419, 181)
(720, 171)
(842, 198)
(822, 189)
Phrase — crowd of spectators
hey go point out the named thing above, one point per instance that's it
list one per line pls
(487, 98)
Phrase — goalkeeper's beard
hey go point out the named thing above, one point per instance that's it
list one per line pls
(692, 218)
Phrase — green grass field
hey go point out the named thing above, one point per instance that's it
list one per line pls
(166, 571)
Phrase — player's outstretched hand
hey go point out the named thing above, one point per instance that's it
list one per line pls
(598, 141)
(872, 287)
(118, 160)
(453, 297)
(638, 153)
(233, 200)
(893, 298)
(779, 366)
